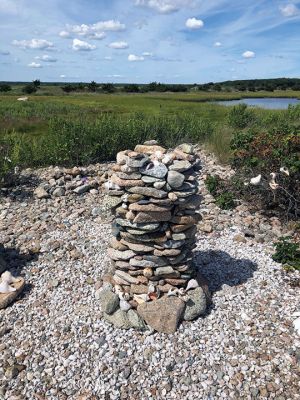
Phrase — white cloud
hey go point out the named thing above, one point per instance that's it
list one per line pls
(118, 45)
(46, 58)
(133, 57)
(110, 25)
(147, 54)
(248, 54)
(34, 65)
(93, 31)
(33, 44)
(62, 76)
(64, 34)
(194, 23)
(217, 44)
(290, 10)
(165, 6)
(98, 36)
(80, 45)
(108, 58)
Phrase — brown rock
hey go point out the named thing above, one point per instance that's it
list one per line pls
(148, 207)
(134, 197)
(138, 289)
(117, 245)
(126, 182)
(183, 220)
(164, 314)
(148, 272)
(180, 228)
(148, 149)
(167, 252)
(152, 216)
(140, 248)
(176, 282)
(7, 298)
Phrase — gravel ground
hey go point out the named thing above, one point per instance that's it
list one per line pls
(55, 345)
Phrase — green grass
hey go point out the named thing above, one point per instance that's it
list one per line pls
(57, 128)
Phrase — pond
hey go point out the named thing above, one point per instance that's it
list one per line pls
(273, 103)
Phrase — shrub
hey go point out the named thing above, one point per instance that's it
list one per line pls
(219, 189)
(212, 183)
(29, 89)
(240, 116)
(287, 252)
(225, 200)
(4, 87)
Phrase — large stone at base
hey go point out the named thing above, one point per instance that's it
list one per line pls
(125, 320)
(196, 304)
(164, 314)
(7, 298)
(109, 301)
(136, 321)
(118, 319)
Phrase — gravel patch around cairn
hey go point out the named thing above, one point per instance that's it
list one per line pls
(56, 345)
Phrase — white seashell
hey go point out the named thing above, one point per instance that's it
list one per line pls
(256, 180)
(173, 292)
(141, 298)
(296, 314)
(125, 198)
(285, 171)
(125, 206)
(273, 175)
(124, 305)
(7, 277)
(5, 288)
(192, 284)
(296, 324)
(151, 288)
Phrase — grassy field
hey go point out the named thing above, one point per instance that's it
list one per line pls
(57, 128)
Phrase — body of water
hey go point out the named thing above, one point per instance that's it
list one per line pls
(273, 103)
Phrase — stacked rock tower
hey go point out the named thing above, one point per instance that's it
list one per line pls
(155, 225)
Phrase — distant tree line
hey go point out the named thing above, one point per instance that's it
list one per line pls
(252, 85)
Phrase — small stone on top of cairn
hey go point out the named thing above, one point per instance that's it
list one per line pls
(153, 278)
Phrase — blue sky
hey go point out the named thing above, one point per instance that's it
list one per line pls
(180, 41)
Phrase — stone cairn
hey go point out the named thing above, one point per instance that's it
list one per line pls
(153, 278)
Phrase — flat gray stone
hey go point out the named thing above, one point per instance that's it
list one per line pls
(157, 170)
(180, 165)
(109, 301)
(163, 271)
(148, 191)
(120, 255)
(82, 189)
(175, 179)
(196, 305)
(59, 192)
(136, 321)
(119, 319)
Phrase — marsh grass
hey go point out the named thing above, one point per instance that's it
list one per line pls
(83, 128)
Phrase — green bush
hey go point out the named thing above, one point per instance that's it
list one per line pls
(287, 252)
(225, 200)
(212, 183)
(240, 116)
